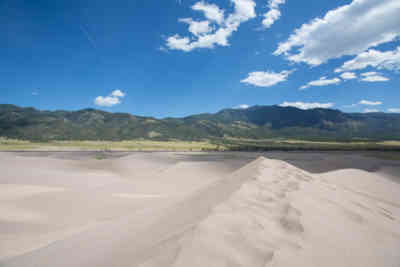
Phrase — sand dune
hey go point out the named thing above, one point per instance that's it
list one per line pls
(160, 210)
(287, 217)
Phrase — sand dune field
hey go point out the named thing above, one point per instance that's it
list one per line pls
(198, 209)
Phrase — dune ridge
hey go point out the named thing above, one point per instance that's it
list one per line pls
(135, 211)
(288, 217)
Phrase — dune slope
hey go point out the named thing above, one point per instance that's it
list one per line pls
(287, 217)
(150, 212)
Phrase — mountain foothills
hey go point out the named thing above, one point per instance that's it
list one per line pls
(257, 122)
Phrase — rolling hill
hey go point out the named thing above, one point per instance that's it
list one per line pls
(257, 122)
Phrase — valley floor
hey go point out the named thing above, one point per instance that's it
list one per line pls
(199, 209)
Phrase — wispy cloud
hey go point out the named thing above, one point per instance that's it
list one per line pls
(370, 103)
(323, 81)
(394, 110)
(303, 105)
(273, 14)
(266, 79)
(117, 93)
(88, 36)
(368, 110)
(373, 58)
(364, 103)
(373, 77)
(242, 106)
(348, 76)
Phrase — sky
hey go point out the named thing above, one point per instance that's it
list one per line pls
(173, 58)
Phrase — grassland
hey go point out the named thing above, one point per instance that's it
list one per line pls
(227, 144)
(132, 145)
(289, 144)
(388, 155)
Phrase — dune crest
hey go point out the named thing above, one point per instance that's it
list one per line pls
(287, 217)
(162, 210)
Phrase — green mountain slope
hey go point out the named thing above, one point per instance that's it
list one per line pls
(256, 122)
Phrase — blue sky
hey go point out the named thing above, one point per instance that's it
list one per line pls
(175, 58)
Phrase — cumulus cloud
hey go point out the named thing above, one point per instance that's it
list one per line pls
(394, 110)
(117, 93)
(348, 75)
(273, 14)
(107, 101)
(370, 103)
(211, 11)
(197, 27)
(381, 60)
(266, 79)
(176, 42)
(323, 81)
(373, 77)
(348, 30)
(112, 99)
(368, 110)
(244, 10)
(302, 105)
(242, 106)
(216, 29)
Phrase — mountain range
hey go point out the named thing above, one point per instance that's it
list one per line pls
(256, 122)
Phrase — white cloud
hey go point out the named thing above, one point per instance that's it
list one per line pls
(364, 102)
(275, 3)
(394, 110)
(323, 81)
(244, 10)
(382, 60)
(107, 101)
(367, 110)
(370, 103)
(197, 27)
(211, 11)
(242, 106)
(302, 105)
(373, 77)
(273, 14)
(179, 43)
(348, 30)
(117, 93)
(209, 37)
(266, 79)
(370, 73)
(111, 100)
(348, 75)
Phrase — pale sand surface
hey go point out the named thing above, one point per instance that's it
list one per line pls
(198, 209)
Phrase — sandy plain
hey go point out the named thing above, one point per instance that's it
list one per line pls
(198, 209)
